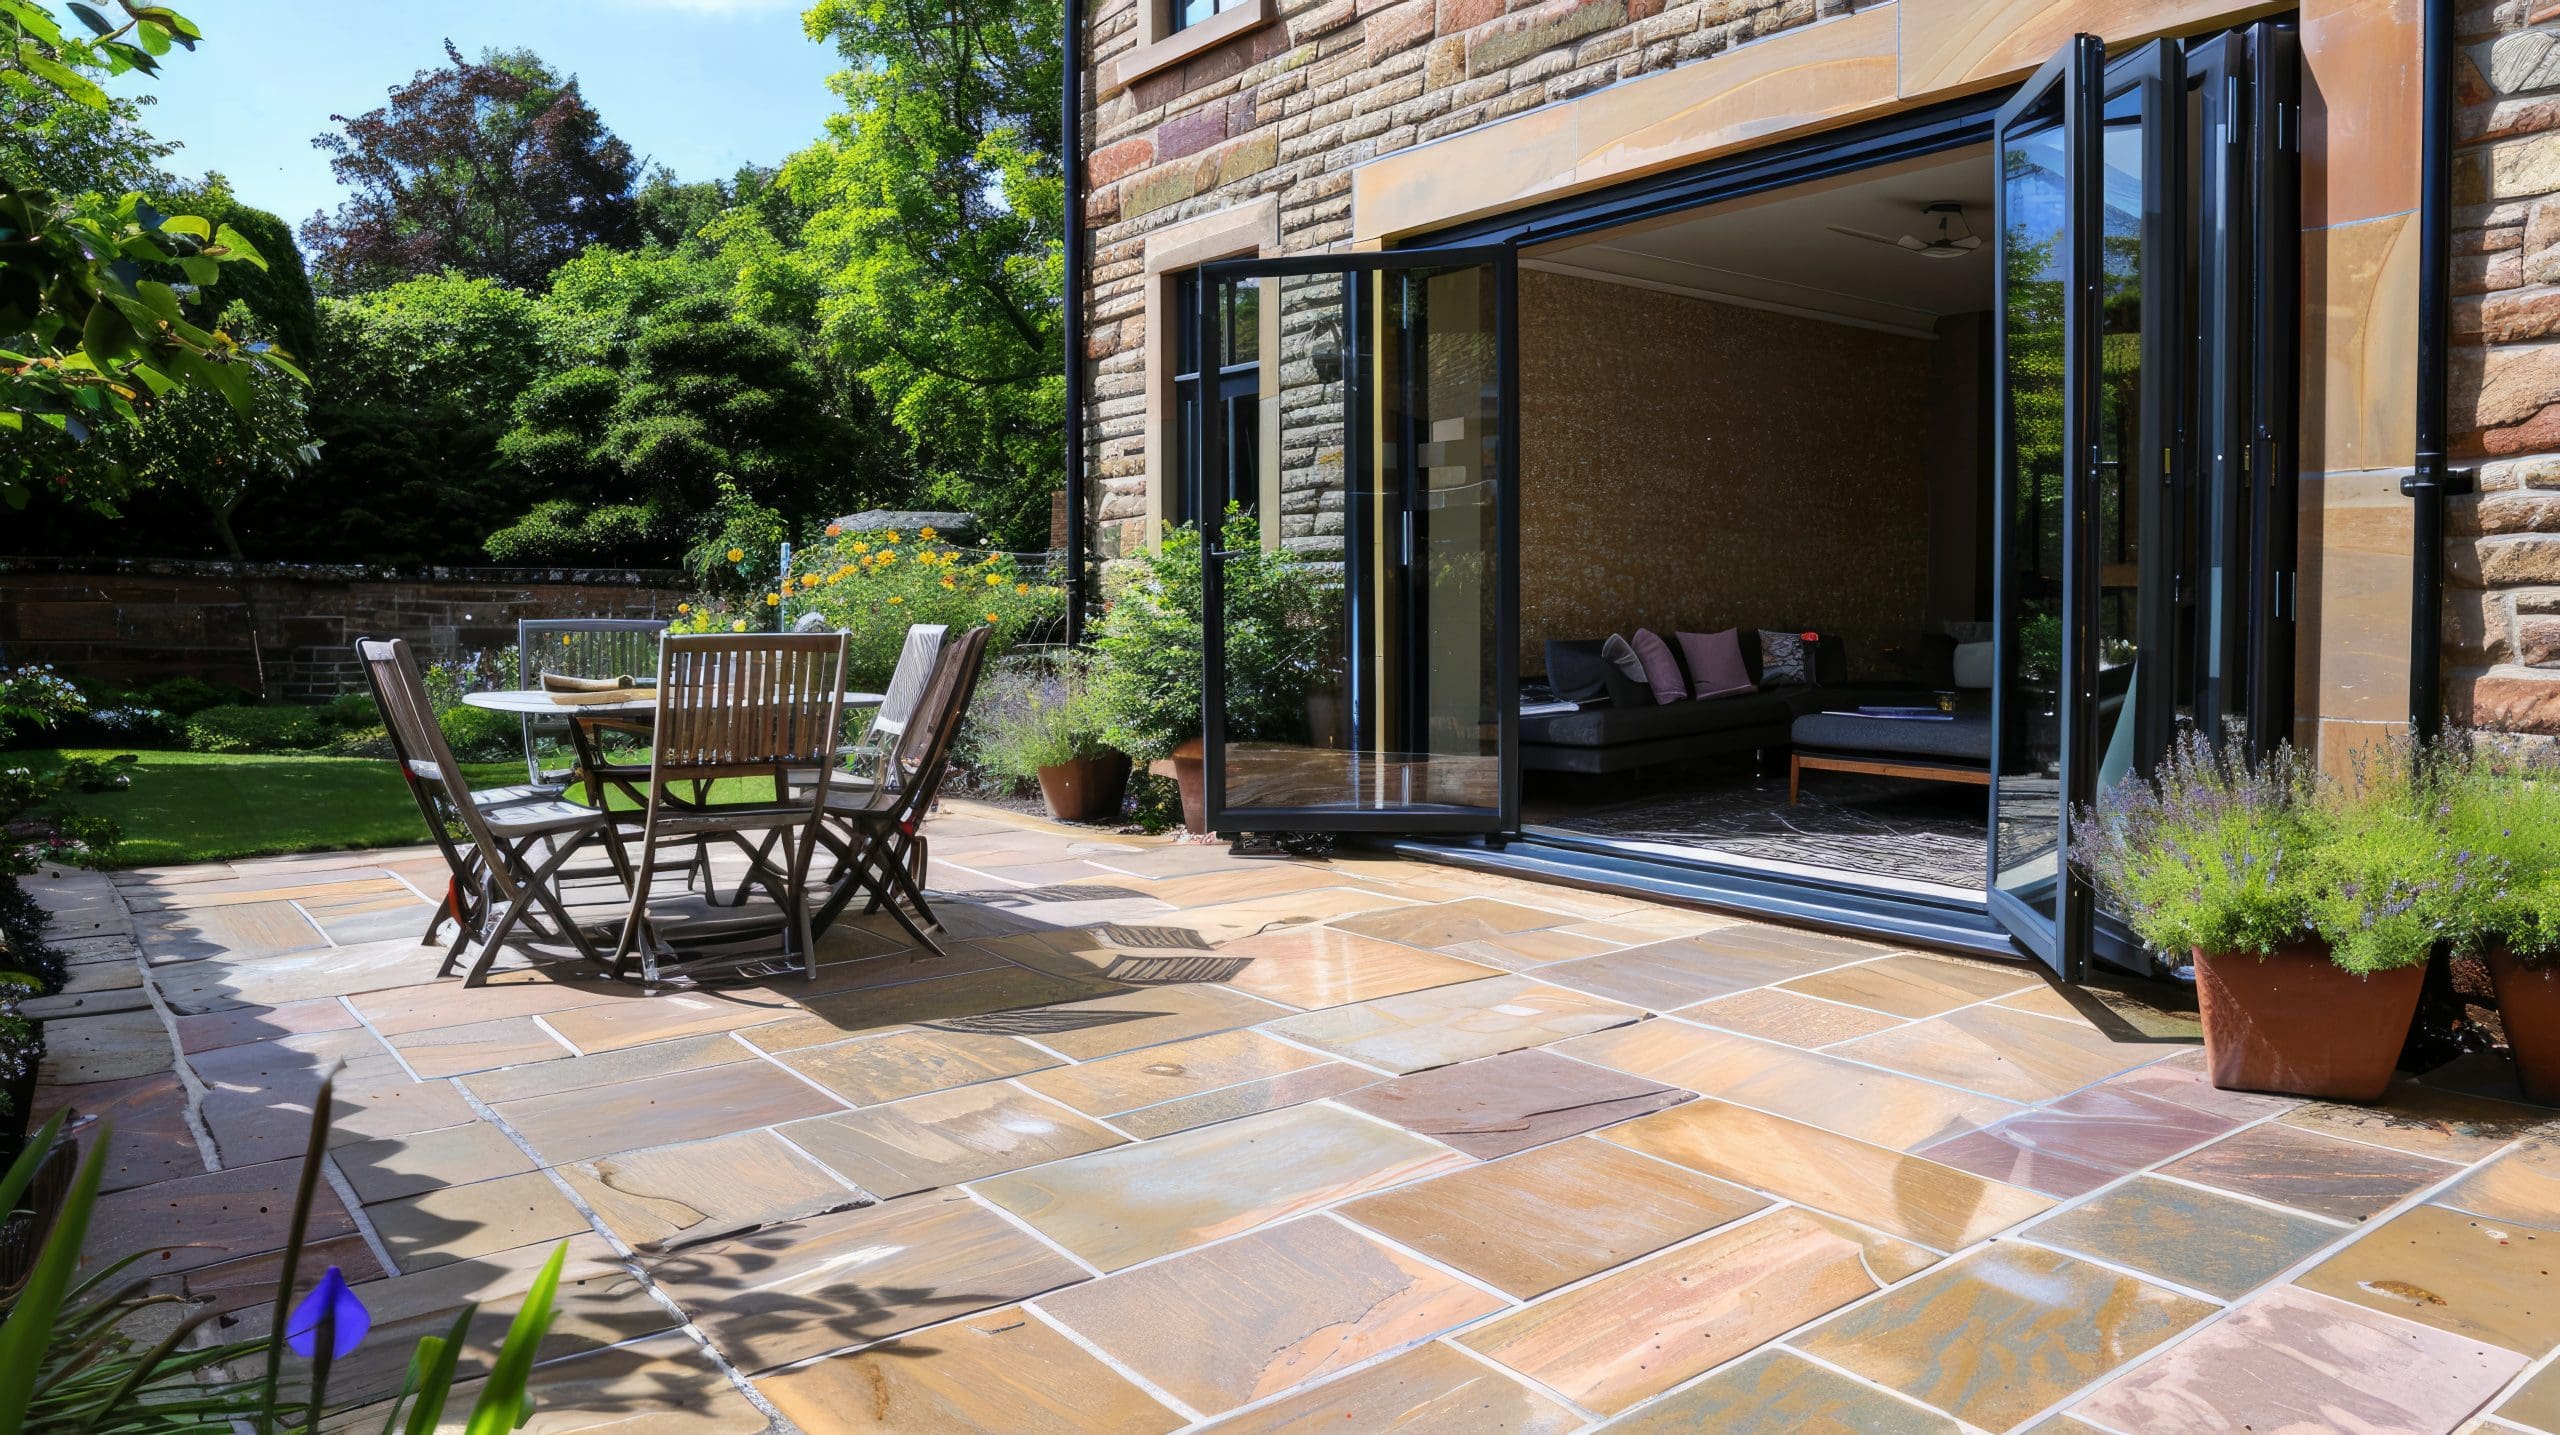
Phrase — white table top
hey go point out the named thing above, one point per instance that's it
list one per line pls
(533, 702)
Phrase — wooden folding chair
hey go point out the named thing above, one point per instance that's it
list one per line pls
(755, 705)
(506, 867)
(876, 833)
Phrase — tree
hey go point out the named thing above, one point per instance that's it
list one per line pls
(495, 169)
(937, 206)
(87, 339)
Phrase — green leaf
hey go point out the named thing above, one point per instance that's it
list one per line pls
(154, 36)
(107, 336)
(96, 22)
(504, 1404)
(62, 77)
(235, 245)
(38, 1306)
(200, 270)
(33, 20)
(435, 1382)
(195, 226)
(23, 1170)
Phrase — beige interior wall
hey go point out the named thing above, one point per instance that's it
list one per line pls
(1686, 464)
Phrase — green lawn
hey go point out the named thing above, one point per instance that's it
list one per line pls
(201, 807)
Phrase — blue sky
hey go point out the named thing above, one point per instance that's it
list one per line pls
(701, 86)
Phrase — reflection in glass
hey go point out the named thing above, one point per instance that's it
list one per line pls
(2035, 208)
(2123, 462)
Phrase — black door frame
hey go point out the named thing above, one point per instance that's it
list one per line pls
(1360, 458)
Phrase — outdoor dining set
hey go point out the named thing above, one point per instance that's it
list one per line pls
(750, 754)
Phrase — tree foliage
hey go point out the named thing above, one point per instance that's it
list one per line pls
(496, 169)
(937, 201)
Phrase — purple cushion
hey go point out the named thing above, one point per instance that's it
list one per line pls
(1661, 670)
(1716, 669)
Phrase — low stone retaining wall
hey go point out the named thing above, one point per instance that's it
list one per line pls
(139, 622)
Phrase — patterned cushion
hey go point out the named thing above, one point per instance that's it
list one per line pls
(1786, 657)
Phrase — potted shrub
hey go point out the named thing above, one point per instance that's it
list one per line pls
(2310, 913)
(1275, 624)
(2499, 801)
(1048, 731)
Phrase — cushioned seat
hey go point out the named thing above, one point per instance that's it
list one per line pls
(1965, 739)
(1608, 726)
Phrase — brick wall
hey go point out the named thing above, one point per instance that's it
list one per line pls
(2503, 608)
(1287, 110)
(142, 622)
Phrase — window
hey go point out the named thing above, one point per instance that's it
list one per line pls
(1187, 13)
(1233, 394)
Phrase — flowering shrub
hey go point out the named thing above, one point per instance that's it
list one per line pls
(37, 697)
(873, 585)
(2212, 851)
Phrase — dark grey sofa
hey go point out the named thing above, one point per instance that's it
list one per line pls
(1621, 737)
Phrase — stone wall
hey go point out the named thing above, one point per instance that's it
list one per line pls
(1288, 110)
(1683, 465)
(142, 622)
(2503, 608)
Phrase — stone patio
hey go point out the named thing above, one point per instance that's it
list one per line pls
(1175, 1139)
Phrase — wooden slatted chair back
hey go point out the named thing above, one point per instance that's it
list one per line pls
(425, 759)
(908, 681)
(586, 648)
(740, 705)
(924, 750)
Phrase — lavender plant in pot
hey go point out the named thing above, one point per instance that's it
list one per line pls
(2500, 798)
(1043, 726)
(2309, 912)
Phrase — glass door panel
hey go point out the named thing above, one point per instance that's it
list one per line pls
(1381, 695)
(2048, 331)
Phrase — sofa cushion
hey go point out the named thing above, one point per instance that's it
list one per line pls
(1964, 738)
(1576, 670)
(1715, 664)
(1627, 685)
(1611, 726)
(1661, 670)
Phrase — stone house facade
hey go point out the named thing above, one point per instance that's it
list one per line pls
(1288, 127)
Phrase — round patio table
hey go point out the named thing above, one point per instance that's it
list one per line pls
(534, 702)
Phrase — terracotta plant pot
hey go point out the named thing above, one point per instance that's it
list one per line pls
(1088, 789)
(1187, 773)
(2292, 1022)
(2529, 1005)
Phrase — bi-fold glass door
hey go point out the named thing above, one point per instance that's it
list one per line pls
(1372, 686)
(2144, 524)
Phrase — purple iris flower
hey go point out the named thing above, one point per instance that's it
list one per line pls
(330, 1299)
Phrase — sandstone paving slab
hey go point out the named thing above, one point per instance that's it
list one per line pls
(2079, 1143)
(397, 1166)
(662, 1110)
(1429, 1390)
(582, 1073)
(479, 1046)
(601, 1303)
(1128, 1204)
(989, 1372)
(1778, 1392)
(1210, 889)
(1151, 1016)
(2344, 1180)
(205, 1219)
(1884, 1107)
(1507, 1103)
(151, 1139)
(1742, 940)
(2181, 1078)
(1445, 924)
(1530, 1223)
(454, 1223)
(2494, 1281)
(250, 1281)
(2534, 1405)
(240, 1025)
(239, 931)
(1312, 1083)
(1665, 976)
(874, 1069)
(2522, 1185)
(220, 983)
(1156, 1074)
(2292, 1360)
(1424, 1029)
(285, 1060)
(1310, 967)
(1519, 951)
(1215, 926)
(828, 1283)
(1776, 1014)
(398, 1011)
(1648, 1326)
(998, 1001)
(2448, 1125)
(1919, 1200)
(609, 1026)
(664, 1385)
(2130, 1012)
(1915, 987)
(2219, 1245)
(112, 1046)
(2056, 1323)
(947, 1137)
(672, 1196)
(1247, 1318)
(268, 1118)
(2000, 1052)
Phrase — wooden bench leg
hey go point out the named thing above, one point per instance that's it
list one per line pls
(1795, 777)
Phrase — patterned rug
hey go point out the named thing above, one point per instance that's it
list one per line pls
(1886, 827)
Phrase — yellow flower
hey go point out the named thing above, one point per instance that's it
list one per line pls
(739, 626)
(995, 580)
(951, 556)
(926, 533)
(862, 548)
(684, 607)
(1022, 587)
(894, 598)
(949, 583)
(772, 600)
(737, 555)
(890, 536)
(991, 617)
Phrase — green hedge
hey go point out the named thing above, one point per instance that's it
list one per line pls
(232, 728)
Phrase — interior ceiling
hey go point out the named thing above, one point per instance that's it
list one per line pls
(1778, 251)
